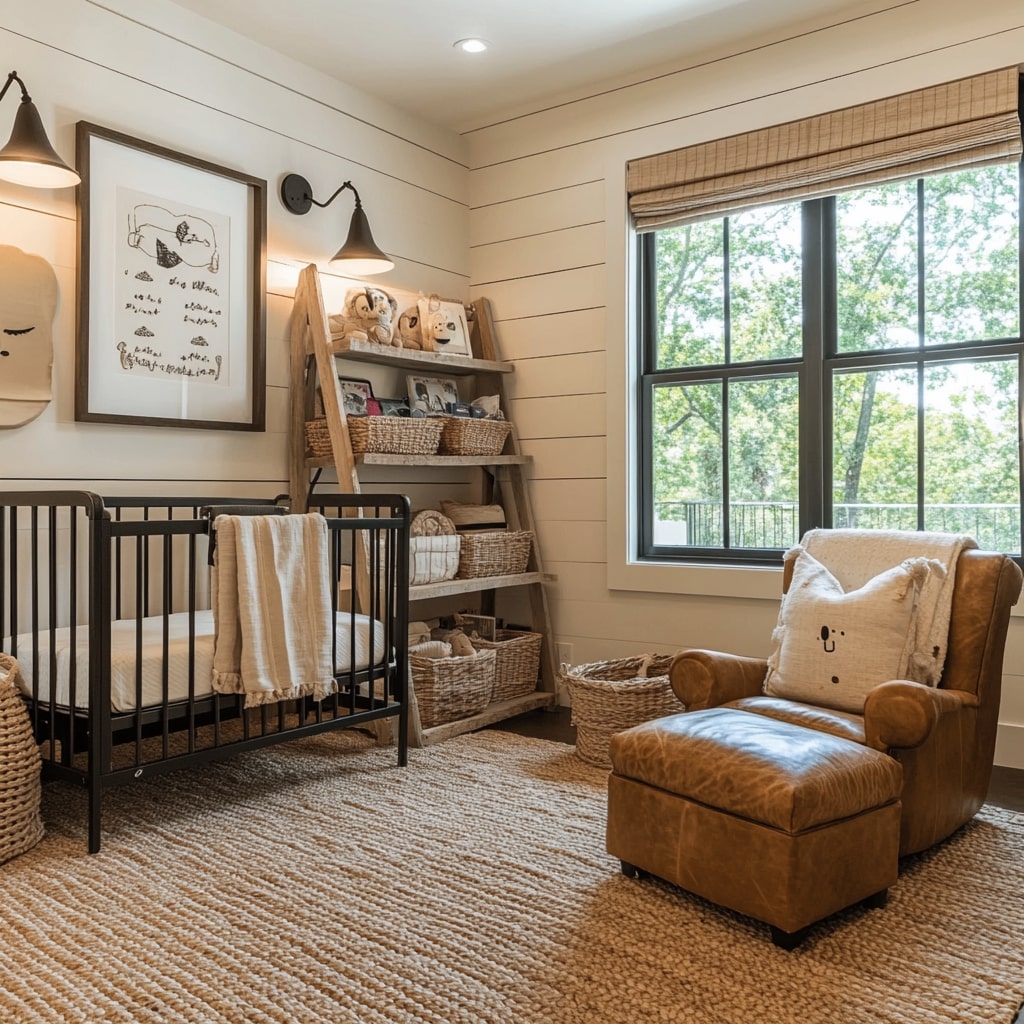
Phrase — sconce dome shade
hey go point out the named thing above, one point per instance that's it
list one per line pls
(29, 159)
(360, 254)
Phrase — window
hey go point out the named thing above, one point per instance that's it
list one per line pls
(851, 360)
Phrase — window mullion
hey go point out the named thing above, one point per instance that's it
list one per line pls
(815, 454)
(921, 299)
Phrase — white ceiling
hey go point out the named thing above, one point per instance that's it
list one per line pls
(401, 50)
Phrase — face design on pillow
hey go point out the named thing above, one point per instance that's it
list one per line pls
(828, 635)
(28, 303)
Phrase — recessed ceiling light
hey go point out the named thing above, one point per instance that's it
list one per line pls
(471, 45)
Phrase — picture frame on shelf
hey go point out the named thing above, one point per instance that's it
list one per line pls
(171, 287)
(394, 406)
(430, 395)
(444, 326)
(482, 625)
(357, 397)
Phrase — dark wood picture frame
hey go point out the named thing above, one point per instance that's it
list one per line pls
(172, 254)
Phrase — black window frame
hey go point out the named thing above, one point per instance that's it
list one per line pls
(815, 370)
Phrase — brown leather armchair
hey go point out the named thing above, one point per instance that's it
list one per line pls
(944, 736)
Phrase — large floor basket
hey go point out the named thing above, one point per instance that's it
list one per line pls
(21, 826)
(609, 696)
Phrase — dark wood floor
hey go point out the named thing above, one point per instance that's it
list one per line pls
(1005, 790)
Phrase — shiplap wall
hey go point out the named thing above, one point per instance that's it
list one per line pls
(153, 71)
(528, 211)
(550, 247)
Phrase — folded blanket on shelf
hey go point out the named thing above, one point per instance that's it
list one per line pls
(272, 608)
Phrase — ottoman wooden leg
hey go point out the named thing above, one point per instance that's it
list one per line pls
(788, 940)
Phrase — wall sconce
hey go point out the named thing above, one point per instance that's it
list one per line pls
(360, 254)
(28, 158)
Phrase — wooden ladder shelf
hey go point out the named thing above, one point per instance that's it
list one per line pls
(313, 362)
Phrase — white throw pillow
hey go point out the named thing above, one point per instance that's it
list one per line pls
(832, 647)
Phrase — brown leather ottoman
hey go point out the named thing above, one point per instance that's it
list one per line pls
(782, 823)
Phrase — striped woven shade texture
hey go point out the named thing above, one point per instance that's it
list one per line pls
(967, 123)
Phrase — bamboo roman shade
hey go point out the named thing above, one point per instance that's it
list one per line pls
(961, 124)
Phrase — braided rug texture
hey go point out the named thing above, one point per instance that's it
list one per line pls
(317, 882)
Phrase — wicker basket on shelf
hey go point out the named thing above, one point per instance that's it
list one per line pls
(494, 553)
(517, 661)
(450, 688)
(318, 437)
(609, 696)
(21, 826)
(383, 435)
(465, 436)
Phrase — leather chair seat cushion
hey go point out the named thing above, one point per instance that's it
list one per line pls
(775, 773)
(846, 724)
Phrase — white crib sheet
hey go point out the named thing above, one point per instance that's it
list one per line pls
(123, 658)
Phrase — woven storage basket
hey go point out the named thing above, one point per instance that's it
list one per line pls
(384, 435)
(609, 696)
(21, 826)
(494, 553)
(465, 436)
(517, 662)
(451, 688)
(318, 437)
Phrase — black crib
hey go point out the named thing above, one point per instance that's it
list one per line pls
(96, 591)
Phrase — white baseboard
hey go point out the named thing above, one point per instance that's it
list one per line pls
(1010, 746)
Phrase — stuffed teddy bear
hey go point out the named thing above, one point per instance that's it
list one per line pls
(368, 315)
(408, 333)
(462, 647)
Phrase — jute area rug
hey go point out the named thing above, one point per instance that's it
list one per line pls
(317, 882)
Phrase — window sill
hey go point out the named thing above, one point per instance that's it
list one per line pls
(707, 580)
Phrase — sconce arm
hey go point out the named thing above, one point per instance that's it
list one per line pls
(341, 188)
(15, 77)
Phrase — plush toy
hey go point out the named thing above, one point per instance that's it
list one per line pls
(461, 645)
(368, 315)
(408, 333)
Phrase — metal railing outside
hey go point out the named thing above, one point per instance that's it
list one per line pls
(996, 527)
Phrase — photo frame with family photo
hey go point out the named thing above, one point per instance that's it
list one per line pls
(431, 396)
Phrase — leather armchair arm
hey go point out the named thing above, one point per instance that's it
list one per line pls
(706, 679)
(903, 714)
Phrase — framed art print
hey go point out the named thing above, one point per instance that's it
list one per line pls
(171, 294)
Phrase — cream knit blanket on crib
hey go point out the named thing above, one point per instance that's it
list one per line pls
(856, 556)
(271, 608)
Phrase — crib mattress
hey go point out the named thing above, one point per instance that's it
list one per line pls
(123, 658)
